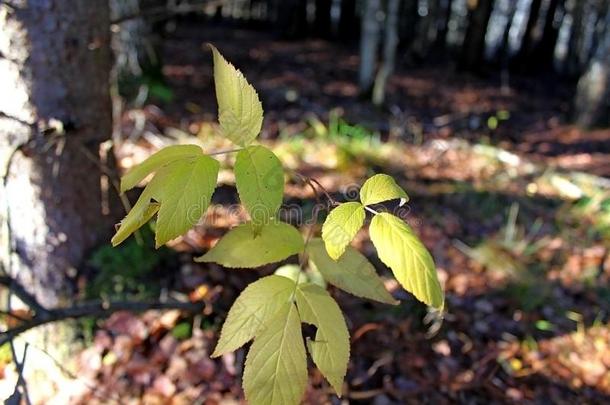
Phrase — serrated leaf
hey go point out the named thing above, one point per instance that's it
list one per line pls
(241, 247)
(400, 249)
(330, 349)
(341, 226)
(260, 182)
(252, 309)
(352, 272)
(276, 366)
(155, 161)
(183, 189)
(185, 196)
(380, 188)
(240, 112)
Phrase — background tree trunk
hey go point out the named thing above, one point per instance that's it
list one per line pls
(389, 52)
(473, 47)
(369, 42)
(323, 23)
(592, 102)
(349, 27)
(55, 116)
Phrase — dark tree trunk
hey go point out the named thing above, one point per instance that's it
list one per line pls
(369, 42)
(291, 18)
(389, 52)
(323, 24)
(528, 40)
(592, 102)
(54, 120)
(544, 50)
(349, 26)
(445, 15)
(573, 61)
(473, 47)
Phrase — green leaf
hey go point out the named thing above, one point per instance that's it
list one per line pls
(241, 247)
(252, 309)
(341, 226)
(400, 249)
(182, 189)
(260, 182)
(240, 112)
(292, 272)
(185, 196)
(155, 161)
(380, 188)
(352, 272)
(330, 349)
(276, 366)
(140, 214)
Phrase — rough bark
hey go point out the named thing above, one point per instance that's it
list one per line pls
(473, 47)
(369, 42)
(55, 114)
(592, 102)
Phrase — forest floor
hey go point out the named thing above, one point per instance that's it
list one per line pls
(512, 201)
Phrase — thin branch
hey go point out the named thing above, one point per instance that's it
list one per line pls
(96, 308)
(224, 152)
(163, 12)
(27, 298)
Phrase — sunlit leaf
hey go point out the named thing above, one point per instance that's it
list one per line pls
(252, 309)
(181, 191)
(352, 272)
(276, 366)
(292, 272)
(260, 182)
(380, 188)
(240, 112)
(400, 249)
(184, 196)
(155, 161)
(330, 349)
(341, 226)
(241, 247)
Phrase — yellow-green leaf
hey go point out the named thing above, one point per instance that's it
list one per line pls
(155, 161)
(240, 112)
(380, 188)
(330, 349)
(341, 226)
(292, 272)
(252, 309)
(352, 272)
(400, 249)
(260, 183)
(276, 366)
(181, 191)
(241, 247)
(185, 196)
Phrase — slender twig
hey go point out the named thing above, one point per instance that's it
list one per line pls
(96, 308)
(16, 288)
(161, 12)
(224, 152)
(20, 366)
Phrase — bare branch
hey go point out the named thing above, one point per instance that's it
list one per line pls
(97, 308)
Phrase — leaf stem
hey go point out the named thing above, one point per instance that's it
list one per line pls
(223, 152)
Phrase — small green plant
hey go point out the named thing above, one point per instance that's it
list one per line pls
(271, 310)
